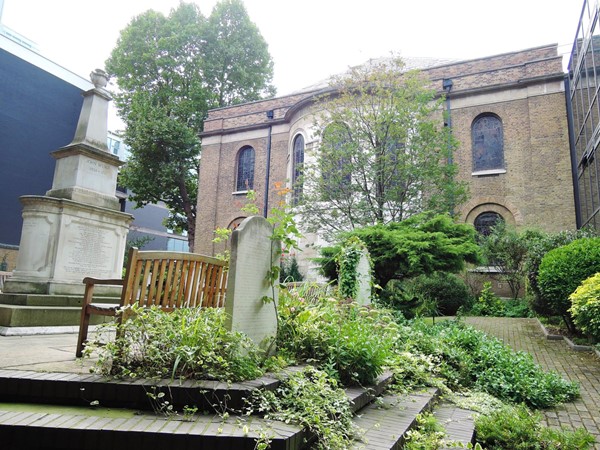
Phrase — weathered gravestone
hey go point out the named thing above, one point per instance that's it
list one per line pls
(363, 278)
(253, 253)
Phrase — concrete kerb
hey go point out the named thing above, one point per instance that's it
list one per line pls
(569, 342)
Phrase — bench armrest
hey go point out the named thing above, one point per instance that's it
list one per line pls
(91, 282)
(108, 281)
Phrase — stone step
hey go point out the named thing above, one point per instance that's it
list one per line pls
(458, 423)
(24, 428)
(50, 300)
(361, 397)
(386, 421)
(17, 316)
(80, 390)
(35, 430)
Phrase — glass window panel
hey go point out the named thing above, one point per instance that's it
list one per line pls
(488, 143)
(245, 169)
(297, 167)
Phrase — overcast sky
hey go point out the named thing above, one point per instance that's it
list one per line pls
(312, 39)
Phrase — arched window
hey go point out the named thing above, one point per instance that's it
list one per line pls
(488, 143)
(245, 170)
(334, 161)
(484, 222)
(297, 165)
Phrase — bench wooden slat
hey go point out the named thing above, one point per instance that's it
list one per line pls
(169, 280)
(161, 282)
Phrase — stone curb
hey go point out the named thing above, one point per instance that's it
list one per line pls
(550, 337)
(569, 342)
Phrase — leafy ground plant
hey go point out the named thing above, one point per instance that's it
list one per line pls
(463, 357)
(517, 428)
(313, 399)
(186, 343)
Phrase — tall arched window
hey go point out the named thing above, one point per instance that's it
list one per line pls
(488, 143)
(334, 158)
(245, 169)
(297, 165)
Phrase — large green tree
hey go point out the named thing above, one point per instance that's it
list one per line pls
(384, 154)
(170, 70)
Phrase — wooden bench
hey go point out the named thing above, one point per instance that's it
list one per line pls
(168, 280)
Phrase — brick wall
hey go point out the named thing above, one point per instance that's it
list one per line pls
(523, 88)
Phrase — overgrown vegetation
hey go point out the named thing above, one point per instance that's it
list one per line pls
(187, 343)
(517, 427)
(313, 399)
(342, 344)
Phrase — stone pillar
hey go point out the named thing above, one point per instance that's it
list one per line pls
(77, 228)
(253, 253)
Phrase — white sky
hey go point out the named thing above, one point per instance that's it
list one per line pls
(310, 40)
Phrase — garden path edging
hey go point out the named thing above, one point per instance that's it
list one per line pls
(569, 342)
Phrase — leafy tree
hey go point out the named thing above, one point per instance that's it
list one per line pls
(166, 84)
(237, 65)
(507, 250)
(422, 244)
(383, 154)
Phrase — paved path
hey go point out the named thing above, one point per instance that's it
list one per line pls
(582, 367)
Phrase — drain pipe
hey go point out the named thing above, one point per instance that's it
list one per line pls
(574, 162)
(447, 86)
(270, 115)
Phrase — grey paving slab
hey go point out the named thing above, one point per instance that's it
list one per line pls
(582, 367)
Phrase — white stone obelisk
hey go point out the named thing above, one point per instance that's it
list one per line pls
(77, 229)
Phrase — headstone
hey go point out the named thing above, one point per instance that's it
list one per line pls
(364, 280)
(253, 253)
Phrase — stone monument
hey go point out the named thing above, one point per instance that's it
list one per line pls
(253, 253)
(77, 229)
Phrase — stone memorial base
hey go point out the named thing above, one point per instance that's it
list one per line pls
(64, 241)
(24, 314)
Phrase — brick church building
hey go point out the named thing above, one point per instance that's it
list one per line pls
(508, 113)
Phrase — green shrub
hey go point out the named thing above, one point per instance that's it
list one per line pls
(506, 250)
(538, 245)
(290, 272)
(397, 297)
(517, 308)
(190, 343)
(488, 303)
(447, 290)
(585, 307)
(517, 428)
(563, 269)
(350, 342)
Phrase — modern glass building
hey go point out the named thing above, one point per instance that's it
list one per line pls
(582, 87)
